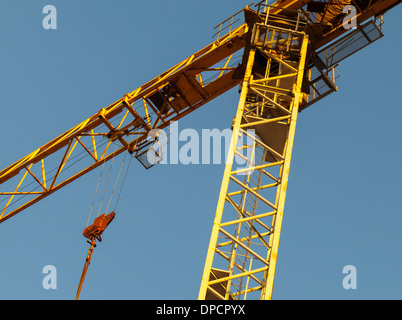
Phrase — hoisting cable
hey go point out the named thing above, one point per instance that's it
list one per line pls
(96, 192)
(94, 232)
(122, 185)
(117, 180)
(107, 180)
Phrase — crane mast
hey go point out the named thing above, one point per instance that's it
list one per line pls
(241, 258)
(290, 51)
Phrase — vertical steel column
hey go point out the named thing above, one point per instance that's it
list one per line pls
(282, 186)
(225, 182)
(243, 249)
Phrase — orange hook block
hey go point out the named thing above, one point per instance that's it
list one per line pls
(100, 224)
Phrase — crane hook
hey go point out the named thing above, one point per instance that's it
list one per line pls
(93, 233)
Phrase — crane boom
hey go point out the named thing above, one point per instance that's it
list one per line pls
(169, 97)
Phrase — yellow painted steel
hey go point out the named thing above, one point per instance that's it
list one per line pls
(225, 183)
(128, 120)
(142, 116)
(282, 187)
(243, 249)
(242, 254)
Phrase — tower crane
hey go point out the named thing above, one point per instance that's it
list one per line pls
(290, 51)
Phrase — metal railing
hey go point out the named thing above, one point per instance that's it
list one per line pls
(229, 24)
(294, 20)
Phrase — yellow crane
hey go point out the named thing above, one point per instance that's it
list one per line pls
(290, 51)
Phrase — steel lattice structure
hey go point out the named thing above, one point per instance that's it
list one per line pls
(288, 62)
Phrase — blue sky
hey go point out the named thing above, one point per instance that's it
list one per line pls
(343, 204)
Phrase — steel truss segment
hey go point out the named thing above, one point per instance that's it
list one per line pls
(246, 273)
(230, 242)
(251, 202)
(124, 125)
